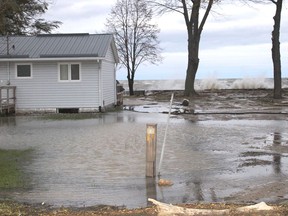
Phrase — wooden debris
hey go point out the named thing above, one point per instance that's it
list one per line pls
(169, 209)
(164, 182)
(185, 102)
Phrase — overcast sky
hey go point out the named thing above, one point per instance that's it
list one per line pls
(235, 43)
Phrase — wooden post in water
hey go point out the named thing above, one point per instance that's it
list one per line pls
(151, 143)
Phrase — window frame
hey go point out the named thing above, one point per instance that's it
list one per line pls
(23, 77)
(69, 71)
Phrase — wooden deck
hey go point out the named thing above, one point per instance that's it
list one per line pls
(7, 99)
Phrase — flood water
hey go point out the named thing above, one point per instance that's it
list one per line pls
(102, 160)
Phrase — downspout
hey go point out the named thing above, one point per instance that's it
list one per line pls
(8, 55)
(9, 72)
(101, 103)
(115, 85)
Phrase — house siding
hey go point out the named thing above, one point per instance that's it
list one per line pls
(96, 54)
(109, 78)
(3, 73)
(44, 92)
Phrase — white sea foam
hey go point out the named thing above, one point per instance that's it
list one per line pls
(251, 83)
(209, 83)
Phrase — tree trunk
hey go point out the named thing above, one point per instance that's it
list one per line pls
(276, 51)
(131, 86)
(193, 33)
(193, 62)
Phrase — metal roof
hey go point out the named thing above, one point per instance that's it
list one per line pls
(56, 46)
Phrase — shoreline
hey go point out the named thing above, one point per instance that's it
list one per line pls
(11, 208)
(214, 104)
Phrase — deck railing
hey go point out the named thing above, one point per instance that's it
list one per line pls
(120, 93)
(7, 99)
(120, 98)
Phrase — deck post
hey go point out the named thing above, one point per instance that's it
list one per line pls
(151, 143)
(7, 99)
(14, 97)
(0, 101)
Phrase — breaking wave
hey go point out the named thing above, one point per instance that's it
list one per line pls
(206, 84)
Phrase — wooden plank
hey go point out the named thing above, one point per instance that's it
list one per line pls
(168, 209)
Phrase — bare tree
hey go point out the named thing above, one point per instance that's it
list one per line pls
(136, 37)
(190, 9)
(276, 55)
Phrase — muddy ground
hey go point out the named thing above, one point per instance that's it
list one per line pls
(222, 104)
(209, 105)
(15, 209)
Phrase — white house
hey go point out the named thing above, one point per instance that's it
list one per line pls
(56, 72)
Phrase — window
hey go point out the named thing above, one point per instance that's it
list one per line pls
(23, 70)
(69, 72)
(63, 72)
(75, 75)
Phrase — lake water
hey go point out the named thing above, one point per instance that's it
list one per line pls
(102, 160)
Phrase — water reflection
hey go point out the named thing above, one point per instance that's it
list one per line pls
(7, 121)
(213, 195)
(196, 186)
(277, 157)
(262, 158)
(151, 190)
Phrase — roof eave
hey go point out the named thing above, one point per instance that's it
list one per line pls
(50, 59)
(115, 51)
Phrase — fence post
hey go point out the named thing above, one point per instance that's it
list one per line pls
(151, 143)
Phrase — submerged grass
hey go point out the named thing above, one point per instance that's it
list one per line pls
(70, 116)
(11, 173)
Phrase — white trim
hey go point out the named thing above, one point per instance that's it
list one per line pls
(16, 71)
(100, 90)
(115, 85)
(109, 61)
(69, 72)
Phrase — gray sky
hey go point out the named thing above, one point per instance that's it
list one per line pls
(235, 43)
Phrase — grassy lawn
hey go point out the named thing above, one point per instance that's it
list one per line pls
(11, 174)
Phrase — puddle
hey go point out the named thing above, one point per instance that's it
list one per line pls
(101, 160)
(156, 108)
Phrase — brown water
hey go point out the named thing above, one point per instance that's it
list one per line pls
(102, 160)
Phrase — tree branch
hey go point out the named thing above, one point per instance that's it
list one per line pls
(162, 7)
(208, 9)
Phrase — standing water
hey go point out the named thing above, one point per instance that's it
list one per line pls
(102, 160)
